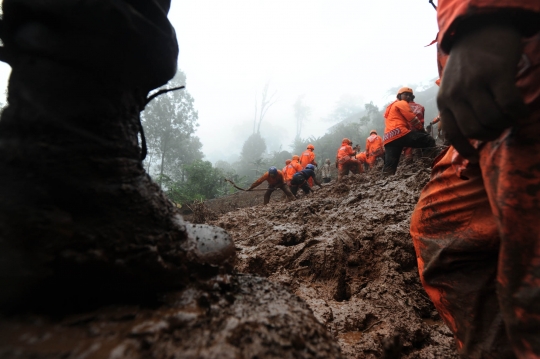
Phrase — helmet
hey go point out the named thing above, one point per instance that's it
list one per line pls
(287, 162)
(310, 167)
(310, 147)
(372, 132)
(346, 140)
(295, 157)
(405, 89)
(272, 171)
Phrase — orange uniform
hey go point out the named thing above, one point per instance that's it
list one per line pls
(346, 161)
(307, 157)
(291, 169)
(374, 149)
(363, 159)
(419, 111)
(277, 181)
(399, 121)
(475, 228)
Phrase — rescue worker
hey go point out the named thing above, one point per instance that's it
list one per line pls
(308, 157)
(398, 133)
(300, 180)
(362, 159)
(345, 160)
(284, 170)
(275, 179)
(475, 227)
(326, 175)
(374, 148)
(291, 169)
(419, 111)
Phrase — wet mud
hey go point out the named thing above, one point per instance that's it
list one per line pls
(237, 316)
(346, 251)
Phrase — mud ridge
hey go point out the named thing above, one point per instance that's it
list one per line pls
(346, 251)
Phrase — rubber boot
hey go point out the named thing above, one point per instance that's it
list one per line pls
(81, 223)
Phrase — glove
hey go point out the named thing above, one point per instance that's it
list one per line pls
(487, 59)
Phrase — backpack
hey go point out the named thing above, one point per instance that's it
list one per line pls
(298, 179)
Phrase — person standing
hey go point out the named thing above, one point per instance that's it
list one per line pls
(398, 132)
(475, 227)
(326, 175)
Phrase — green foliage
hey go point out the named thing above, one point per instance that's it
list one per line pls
(202, 181)
(169, 124)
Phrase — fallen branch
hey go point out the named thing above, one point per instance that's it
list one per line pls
(371, 326)
(242, 189)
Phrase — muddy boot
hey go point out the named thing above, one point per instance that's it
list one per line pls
(81, 223)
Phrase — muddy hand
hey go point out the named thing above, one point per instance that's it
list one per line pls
(478, 98)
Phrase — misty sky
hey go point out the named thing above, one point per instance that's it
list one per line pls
(322, 49)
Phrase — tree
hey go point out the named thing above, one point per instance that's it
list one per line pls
(169, 122)
(266, 102)
(301, 112)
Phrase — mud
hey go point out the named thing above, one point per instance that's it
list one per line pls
(228, 317)
(346, 251)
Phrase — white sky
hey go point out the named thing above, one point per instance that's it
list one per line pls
(322, 49)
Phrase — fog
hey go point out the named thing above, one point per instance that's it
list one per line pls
(321, 49)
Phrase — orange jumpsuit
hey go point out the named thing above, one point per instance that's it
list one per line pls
(346, 161)
(398, 133)
(476, 226)
(307, 157)
(374, 149)
(363, 160)
(290, 170)
(419, 111)
(277, 181)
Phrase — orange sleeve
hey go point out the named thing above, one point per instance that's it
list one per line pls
(263, 178)
(405, 110)
(298, 167)
(451, 12)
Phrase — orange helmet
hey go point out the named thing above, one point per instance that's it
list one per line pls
(295, 157)
(346, 140)
(310, 147)
(372, 132)
(405, 89)
(287, 162)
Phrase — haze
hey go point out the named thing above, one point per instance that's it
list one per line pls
(320, 49)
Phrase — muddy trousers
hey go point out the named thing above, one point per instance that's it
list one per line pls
(477, 241)
(304, 187)
(393, 149)
(351, 165)
(283, 187)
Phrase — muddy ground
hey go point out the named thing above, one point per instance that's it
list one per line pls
(346, 250)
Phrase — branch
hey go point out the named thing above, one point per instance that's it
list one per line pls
(161, 92)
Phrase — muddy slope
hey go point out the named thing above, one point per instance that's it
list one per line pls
(346, 250)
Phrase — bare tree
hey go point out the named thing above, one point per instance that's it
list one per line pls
(266, 102)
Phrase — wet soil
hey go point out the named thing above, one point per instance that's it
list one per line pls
(236, 316)
(346, 251)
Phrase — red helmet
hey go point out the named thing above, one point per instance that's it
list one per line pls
(310, 147)
(287, 162)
